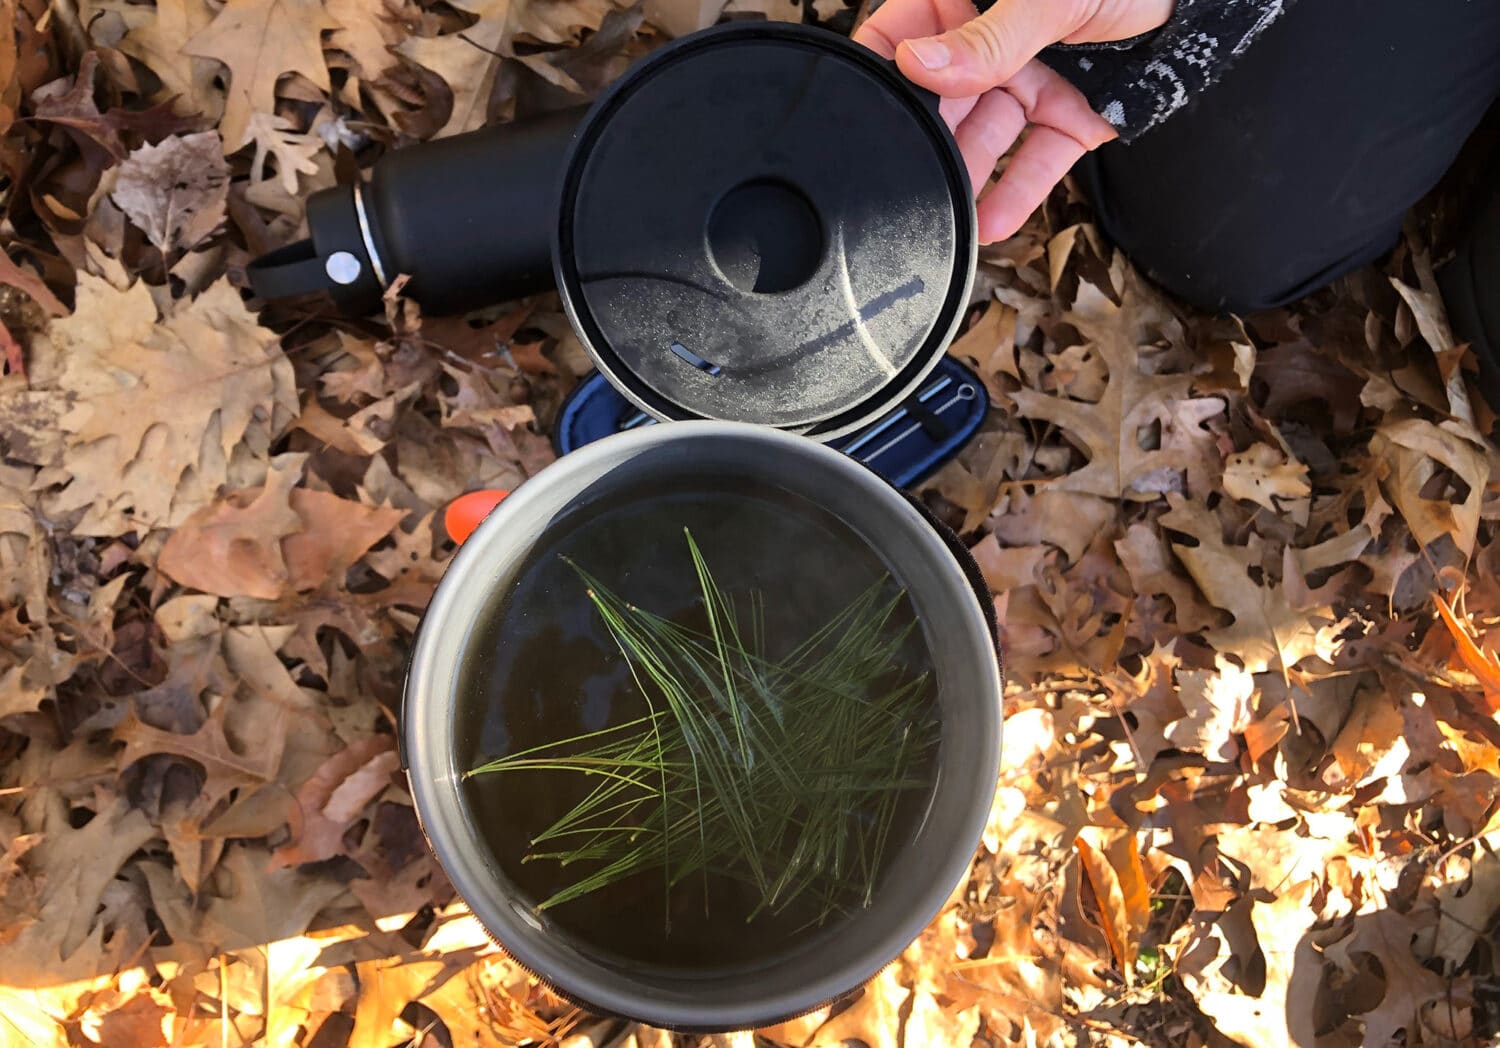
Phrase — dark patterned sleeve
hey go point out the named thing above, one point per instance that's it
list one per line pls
(1136, 84)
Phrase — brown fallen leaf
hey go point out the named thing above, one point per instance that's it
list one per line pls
(1283, 1013)
(1372, 730)
(1112, 861)
(175, 191)
(293, 151)
(1113, 433)
(1388, 936)
(528, 357)
(1414, 449)
(76, 867)
(225, 768)
(386, 985)
(1263, 475)
(367, 32)
(874, 1018)
(234, 546)
(334, 797)
(69, 103)
(1008, 567)
(470, 61)
(1148, 561)
(1466, 907)
(1485, 665)
(139, 1019)
(156, 36)
(264, 542)
(1217, 707)
(10, 93)
(162, 410)
(259, 41)
(14, 276)
(1267, 631)
(251, 904)
(989, 345)
(680, 17)
(336, 532)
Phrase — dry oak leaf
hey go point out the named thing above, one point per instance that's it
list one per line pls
(1267, 631)
(1388, 936)
(159, 412)
(874, 1017)
(335, 534)
(1112, 431)
(1484, 665)
(157, 35)
(10, 87)
(1467, 907)
(72, 106)
(14, 276)
(480, 1003)
(1283, 1013)
(1413, 449)
(1263, 475)
(276, 137)
(233, 547)
(260, 41)
(990, 345)
(141, 1020)
(266, 542)
(368, 32)
(1371, 744)
(1148, 562)
(335, 796)
(225, 767)
(1217, 705)
(253, 905)
(470, 60)
(81, 935)
(1112, 860)
(75, 868)
(176, 191)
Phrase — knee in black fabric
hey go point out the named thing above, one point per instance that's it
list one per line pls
(1220, 253)
(1223, 278)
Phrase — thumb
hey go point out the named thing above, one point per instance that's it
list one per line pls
(987, 51)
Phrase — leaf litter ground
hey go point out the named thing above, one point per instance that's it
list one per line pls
(1247, 571)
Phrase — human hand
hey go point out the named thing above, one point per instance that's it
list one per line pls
(993, 86)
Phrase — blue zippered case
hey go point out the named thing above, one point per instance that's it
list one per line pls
(905, 446)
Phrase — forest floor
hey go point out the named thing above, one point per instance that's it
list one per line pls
(1247, 571)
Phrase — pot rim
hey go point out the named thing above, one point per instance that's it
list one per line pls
(427, 744)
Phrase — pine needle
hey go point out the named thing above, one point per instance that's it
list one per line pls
(784, 774)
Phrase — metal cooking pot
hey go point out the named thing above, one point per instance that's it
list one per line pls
(917, 878)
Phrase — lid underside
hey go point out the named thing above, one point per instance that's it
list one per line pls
(764, 228)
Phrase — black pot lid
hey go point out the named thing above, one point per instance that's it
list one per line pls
(765, 223)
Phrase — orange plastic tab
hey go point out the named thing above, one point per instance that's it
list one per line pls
(465, 512)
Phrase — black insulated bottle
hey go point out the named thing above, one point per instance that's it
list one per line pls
(470, 219)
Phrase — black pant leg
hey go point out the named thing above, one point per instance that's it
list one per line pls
(1471, 288)
(1301, 162)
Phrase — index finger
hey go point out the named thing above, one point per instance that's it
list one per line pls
(1038, 164)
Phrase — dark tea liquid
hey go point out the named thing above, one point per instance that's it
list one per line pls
(541, 666)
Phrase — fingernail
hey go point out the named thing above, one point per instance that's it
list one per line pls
(933, 54)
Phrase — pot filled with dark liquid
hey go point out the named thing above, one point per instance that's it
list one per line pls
(704, 723)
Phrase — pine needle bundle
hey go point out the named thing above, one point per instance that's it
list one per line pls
(781, 773)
